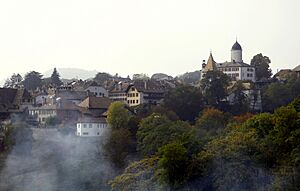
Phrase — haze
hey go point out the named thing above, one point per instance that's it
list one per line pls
(139, 36)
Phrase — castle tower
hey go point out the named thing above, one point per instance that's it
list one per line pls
(236, 53)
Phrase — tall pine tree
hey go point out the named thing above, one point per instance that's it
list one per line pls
(55, 80)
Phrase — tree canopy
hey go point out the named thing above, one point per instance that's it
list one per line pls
(185, 101)
(262, 66)
(214, 85)
(55, 78)
(32, 80)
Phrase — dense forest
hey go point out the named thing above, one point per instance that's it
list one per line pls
(197, 141)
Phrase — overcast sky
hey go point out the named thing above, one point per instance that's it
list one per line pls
(144, 36)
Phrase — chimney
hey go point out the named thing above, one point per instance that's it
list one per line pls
(203, 64)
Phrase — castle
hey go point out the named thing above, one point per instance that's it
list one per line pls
(236, 69)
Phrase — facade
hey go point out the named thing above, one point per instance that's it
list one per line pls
(96, 90)
(40, 114)
(118, 93)
(145, 92)
(236, 69)
(91, 127)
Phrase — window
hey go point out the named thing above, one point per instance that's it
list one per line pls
(98, 133)
(133, 101)
(85, 133)
(137, 94)
(90, 125)
(84, 125)
(132, 89)
(137, 101)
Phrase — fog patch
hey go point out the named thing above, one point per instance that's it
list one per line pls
(55, 159)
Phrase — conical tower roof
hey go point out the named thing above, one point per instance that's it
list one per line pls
(211, 64)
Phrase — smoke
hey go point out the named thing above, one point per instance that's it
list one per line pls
(54, 160)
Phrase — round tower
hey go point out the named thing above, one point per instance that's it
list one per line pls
(236, 53)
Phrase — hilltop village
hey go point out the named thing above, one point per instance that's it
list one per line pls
(227, 126)
(85, 103)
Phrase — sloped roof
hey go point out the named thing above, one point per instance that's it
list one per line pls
(211, 64)
(147, 86)
(236, 46)
(232, 64)
(92, 102)
(297, 69)
(120, 87)
(7, 95)
(92, 120)
(72, 95)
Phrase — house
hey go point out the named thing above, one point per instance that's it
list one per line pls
(13, 101)
(91, 127)
(41, 114)
(283, 74)
(118, 92)
(96, 90)
(236, 69)
(94, 106)
(297, 70)
(68, 112)
(144, 92)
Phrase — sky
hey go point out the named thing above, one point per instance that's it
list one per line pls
(144, 36)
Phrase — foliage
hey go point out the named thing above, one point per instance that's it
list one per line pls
(55, 80)
(32, 80)
(52, 121)
(102, 77)
(262, 68)
(172, 164)
(6, 136)
(156, 131)
(185, 101)
(211, 122)
(14, 81)
(118, 145)
(240, 103)
(137, 176)
(275, 95)
(118, 116)
(214, 86)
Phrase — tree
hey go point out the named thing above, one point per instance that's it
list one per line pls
(14, 81)
(172, 164)
(120, 142)
(33, 80)
(157, 130)
(55, 80)
(118, 146)
(275, 95)
(118, 116)
(211, 122)
(214, 85)
(185, 101)
(262, 68)
(240, 102)
(102, 77)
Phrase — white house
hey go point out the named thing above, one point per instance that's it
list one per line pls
(91, 127)
(96, 90)
(43, 112)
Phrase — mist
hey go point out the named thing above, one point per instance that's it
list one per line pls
(55, 159)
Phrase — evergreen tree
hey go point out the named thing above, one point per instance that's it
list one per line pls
(32, 80)
(55, 80)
